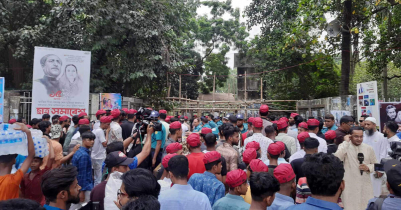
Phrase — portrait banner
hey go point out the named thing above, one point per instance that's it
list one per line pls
(110, 101)
(390, 111)
(1, 99)
(60, 82)
(368, 100)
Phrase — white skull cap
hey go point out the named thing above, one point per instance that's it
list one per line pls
(371, 119)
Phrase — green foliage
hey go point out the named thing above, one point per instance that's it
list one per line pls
(278, 47)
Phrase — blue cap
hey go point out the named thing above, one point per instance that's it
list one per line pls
(240, 116)
(154, 114)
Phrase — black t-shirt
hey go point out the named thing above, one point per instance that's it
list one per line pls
(126, 128)
(332, 148)
(146, 163)
(297, 167)
(224, 166)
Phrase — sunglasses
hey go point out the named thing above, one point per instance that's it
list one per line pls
(361, 120)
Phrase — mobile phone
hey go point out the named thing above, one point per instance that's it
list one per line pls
(379, 167)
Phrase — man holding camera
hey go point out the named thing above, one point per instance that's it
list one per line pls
(393, 200)
(158, 139)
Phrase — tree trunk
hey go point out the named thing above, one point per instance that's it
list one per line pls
(346, 49)
(385, 81)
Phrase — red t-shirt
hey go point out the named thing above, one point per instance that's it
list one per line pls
(31, 189)
(196, 165)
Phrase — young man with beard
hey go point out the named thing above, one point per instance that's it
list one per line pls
(257, 136)
(390, 131)
(231, 135)
(60, 187)
(329, 123)
(380, 145)
(175, 130)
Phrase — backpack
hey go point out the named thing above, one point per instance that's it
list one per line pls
(377, 205)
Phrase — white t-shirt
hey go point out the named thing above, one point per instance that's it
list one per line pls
(98, 150)
(184, 129)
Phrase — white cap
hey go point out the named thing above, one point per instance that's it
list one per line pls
(371, 119)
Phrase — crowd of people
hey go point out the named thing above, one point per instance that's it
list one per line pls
(149, 160)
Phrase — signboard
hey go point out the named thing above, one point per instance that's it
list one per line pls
(368, 100)
(60, 82)
(390, 111)
(109, 101)
(1, 99)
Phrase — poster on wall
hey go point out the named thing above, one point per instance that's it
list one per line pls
(110, 101)
(338, 114)
(390, 111)
(1, 99)
(60, 82)
(368, 100)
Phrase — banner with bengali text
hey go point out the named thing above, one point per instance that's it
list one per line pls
(60, 82)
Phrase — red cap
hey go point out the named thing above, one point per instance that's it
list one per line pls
(264, 108)
(253, 144)
(150, 108)
(125, 110)
(173, 148)
(185, 117)
(303, 125)
(106, 119)
(63, 118)
(83, 122)
(175, 125)
(248, 155)
(195, 115)
(281, 124)
(274, 122)
(12, 121)
(167, 119)
(257, 165)
(100, 111)
(294, 115)
(115, 113)
(193, 140)
(162, 111)
(133, 111)
(235, 178)
(284, 173)
(313, 122)
(274, 149)
(285, 119)
(251, 119)
(330, 135)
(302, 136)
(281, 144)
(257, 122)
(206, 130)
(28, 126)
(82, 114)
(211, 157)
(166, 159)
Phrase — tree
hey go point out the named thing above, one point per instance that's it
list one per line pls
(276, 49)
(356, 17)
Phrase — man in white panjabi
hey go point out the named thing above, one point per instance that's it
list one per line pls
(379, 143)
(358, 188)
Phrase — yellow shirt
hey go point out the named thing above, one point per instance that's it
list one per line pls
(247, 197)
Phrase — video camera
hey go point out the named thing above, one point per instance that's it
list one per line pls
(144, 115)
(395, 154)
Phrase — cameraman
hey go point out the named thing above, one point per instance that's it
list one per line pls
(158, 139)
(393, 200)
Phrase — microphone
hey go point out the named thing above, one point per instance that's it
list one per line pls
(361, 158)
